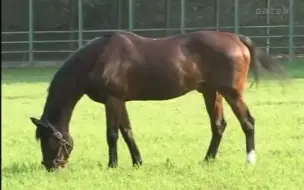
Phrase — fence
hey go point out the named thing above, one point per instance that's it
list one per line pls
(29, 55)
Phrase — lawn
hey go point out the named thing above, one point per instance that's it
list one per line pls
(173, 137)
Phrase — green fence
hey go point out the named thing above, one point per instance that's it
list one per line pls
(268, 23)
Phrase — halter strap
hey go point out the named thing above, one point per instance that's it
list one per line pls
(63, 147)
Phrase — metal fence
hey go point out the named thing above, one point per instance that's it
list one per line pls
(182, 28)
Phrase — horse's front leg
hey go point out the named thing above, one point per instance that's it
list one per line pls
(113, 115)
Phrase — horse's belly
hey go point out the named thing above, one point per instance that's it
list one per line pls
(155, 94)
(157, 88)
(162, 80)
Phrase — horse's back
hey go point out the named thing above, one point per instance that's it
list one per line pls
(144, 68)
(162, 68)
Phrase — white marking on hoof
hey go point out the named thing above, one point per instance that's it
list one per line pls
(251, 157)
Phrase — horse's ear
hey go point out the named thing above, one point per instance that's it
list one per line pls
(38, 122)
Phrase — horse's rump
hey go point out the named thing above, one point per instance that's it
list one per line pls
(223, 58)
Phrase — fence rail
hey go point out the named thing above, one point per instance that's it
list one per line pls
(31, 42)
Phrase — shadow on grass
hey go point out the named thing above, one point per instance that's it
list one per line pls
(33, 96)
(34, 75)
(18, 168)
(27, 75)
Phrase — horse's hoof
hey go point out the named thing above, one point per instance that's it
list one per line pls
(251, 157)
(137, 163)
(209, 160)
(113, 165)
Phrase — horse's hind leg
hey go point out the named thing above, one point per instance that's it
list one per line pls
(113, 114)
(214, 106)
(127, 133)
(236, 101)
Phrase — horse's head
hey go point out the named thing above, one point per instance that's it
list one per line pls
(56, 146)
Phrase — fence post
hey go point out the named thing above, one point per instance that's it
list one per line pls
(268, 29)
(131, 15)
(168, 16)
(119, 13)
(182, 23)
(291, 30)
(80, 24)
(217, 14)
(31, 29)
(236, 16)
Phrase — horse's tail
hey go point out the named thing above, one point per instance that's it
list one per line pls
(260, 60)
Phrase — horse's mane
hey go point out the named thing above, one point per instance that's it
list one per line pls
(72, 62)
(75, 62)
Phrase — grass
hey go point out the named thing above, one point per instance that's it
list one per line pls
(173, 137)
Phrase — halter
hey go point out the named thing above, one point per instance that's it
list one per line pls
(57, 161)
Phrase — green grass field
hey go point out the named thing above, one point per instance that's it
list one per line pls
(173, 137)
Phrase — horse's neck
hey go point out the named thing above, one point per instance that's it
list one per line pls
(59, 111)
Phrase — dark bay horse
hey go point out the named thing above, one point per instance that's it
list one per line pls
(122, 66)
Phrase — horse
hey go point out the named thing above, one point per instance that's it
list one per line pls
(122, 66)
